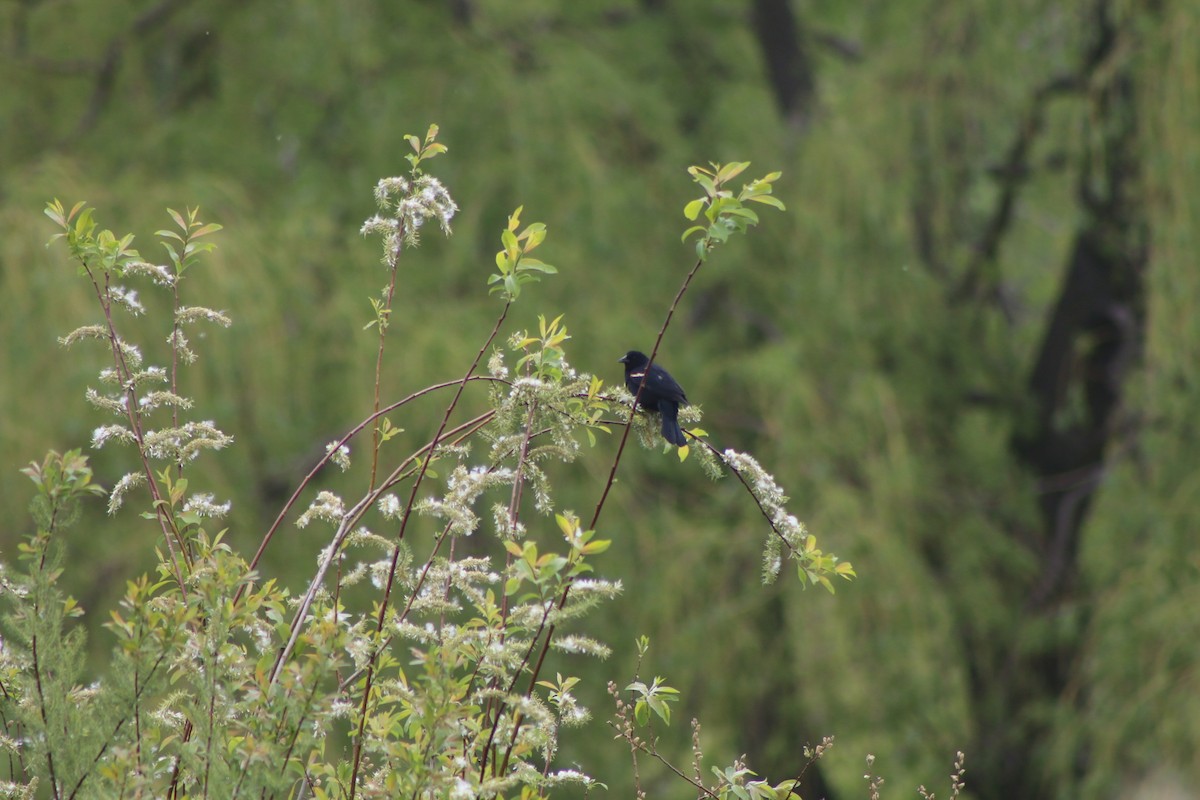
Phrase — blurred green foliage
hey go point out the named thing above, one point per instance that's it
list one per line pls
(829, 343)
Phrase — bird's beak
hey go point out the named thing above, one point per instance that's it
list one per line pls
(622, 360)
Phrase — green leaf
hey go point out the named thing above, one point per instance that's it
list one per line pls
(692, 209)
(83, 223)
(596, 547)
(533, 235)
(767, 200)
(705, 183)
(743, 212)
(503, 262)
(660, 708)
(191, 519)
(54, 211)
(509, 239)
(211, 227)
(731, 171)
(535, 264)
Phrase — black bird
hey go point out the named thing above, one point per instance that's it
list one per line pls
(661, 394)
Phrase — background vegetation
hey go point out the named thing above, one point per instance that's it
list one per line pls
(968, 349)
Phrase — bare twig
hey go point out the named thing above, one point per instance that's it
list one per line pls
(407, 515)
(612, 475)
(270, 534)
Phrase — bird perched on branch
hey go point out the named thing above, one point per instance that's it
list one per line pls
(661, 393)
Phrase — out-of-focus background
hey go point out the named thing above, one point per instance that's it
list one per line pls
(968, 350)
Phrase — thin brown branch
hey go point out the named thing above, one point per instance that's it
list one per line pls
(37, 681)
(494, 705)
(407, 515)
(652, 751)
(270, 534)
(612, 476)
(382, 322)
(174, 539)
(344, 528)
(742, 479)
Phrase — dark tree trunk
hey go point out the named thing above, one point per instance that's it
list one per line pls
(1083, 365)
(788, 61)
(774, 732)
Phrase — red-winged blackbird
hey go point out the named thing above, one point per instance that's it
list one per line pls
(662, 393)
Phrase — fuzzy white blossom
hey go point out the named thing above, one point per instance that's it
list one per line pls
(463, 488)
(575, 643)
(601, 586)
(160, 274)
(185, 442)
(787, 530)
(101, 435)
(388, 188)
(131, 353)
(150, 374)
(127, 299)
(160, 398)
(389, 506)
(529, 383)
(117, 497)
(569, 776)
(339, 455)
(380, 572)
(506, 527)
(407, 205)
(169, 717)
(341, 708)
(327, 506)
(203, 505)
(83, 332)
(116, 404)
(461, 790)
(496, 366)
(186, 315)
(179, 343)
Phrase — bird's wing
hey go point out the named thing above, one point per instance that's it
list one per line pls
(660, 382)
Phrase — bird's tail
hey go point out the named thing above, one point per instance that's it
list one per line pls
(670, 426)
